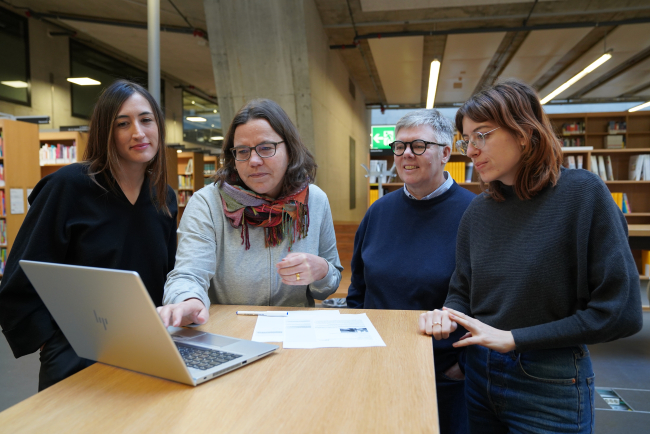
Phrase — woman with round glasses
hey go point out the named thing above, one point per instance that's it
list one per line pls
(543, 268)
(411, 269)
(262, 234)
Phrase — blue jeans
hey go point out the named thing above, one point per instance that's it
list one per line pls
(542, 391)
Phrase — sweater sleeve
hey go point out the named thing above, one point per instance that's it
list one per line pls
(321, 289)
(357, 290)
(196, 257)
(172, 239)
(43, 236)
(611, 307)
(458, 297)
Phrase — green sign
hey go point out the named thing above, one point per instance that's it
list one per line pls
(382, 136)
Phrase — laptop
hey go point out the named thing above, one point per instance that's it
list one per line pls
(108, 316)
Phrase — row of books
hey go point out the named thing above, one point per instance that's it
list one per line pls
(616, 127)
(614, 141)
(2, 175)
(3, 260)
(645, 262)
(3, 209)
(602, 166)
(3, 232)
(622, 202)
(184, 197)
(460, 171)
(209, 168)
(573, 128)
(2, 146)
(185, 181)
(57, 154)
(639, 167)
(572, 142)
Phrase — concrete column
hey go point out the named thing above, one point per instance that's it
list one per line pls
(259, 50)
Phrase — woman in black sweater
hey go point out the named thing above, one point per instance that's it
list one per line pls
(543, 268)
(113, 210)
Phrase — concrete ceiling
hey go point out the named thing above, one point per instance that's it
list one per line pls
(391, 43)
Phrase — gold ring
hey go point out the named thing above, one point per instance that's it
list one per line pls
(437, 323)
(297, 276)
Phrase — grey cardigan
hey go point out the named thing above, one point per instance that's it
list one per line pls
(213, 265)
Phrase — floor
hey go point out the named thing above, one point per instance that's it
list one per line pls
(622, 366)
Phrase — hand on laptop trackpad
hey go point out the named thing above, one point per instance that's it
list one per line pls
(198, 337)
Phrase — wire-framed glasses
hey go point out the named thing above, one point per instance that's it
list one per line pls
(476, 139)
(418, 147)
(264, 150)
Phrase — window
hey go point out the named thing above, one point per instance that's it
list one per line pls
(14, 66)
(201, 120)
(87, 62)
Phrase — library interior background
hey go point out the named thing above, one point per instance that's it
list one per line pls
(345, 71)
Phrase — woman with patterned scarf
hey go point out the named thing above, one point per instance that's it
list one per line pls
(261, 234)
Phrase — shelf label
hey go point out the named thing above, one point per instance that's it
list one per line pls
(382, 136)
(17, 201)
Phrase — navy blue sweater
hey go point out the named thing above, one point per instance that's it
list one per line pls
(404, 256)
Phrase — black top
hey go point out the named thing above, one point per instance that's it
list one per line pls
(74, 221)
(556, 270)
(404, 256)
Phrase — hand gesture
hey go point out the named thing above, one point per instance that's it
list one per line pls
(301, 268)
(187, 312)
(481, 334)
(437, 323)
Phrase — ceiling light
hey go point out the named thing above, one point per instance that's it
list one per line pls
(216, 138)
(640, 107)
(214, 111)
(17, 84)
(602, 59)
(179, 150)
(196, 119)
(84, 81)
(433, 82)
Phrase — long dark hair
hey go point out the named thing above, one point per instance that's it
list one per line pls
(515, 107)
(302, 166)
(101, 154)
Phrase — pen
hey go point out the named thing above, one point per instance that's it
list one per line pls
(262, 313)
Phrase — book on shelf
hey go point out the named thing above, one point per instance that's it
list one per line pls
(602, 172)
(184, 181)
(374, 195)
(3, 209)
(594, 165)
(616, 127)
(3, 260)
(2, 146)
(616, 141)
(3, 232)
(190, 166)
(58, 154)
(646, 167)
(2, 175)
(636, 165)
(618, 198)
(626, 204)
(571, 160)
(469, 171)
(573, 142)
(457, 171)
(645, 263)
(578, 161)
(573, 128)
(608, 168)
(184, 197)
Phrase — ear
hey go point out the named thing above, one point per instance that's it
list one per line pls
(446, 154)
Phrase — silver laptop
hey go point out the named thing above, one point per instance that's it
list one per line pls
(108, 316)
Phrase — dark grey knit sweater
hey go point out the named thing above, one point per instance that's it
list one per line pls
(556, 270)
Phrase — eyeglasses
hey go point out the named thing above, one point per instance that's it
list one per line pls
(476, 139)
(264, 150)
(418, 147)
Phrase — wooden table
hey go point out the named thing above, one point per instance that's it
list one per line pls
(333, 390)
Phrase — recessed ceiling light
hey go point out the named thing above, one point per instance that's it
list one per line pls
(196, 119)
(214, 111)
(84, 81)
(216, 138)
(179, 151)
(17, 84)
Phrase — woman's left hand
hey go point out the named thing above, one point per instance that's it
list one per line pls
(481, 334)
(302, 268)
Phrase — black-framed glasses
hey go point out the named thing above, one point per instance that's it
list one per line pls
(264, 150)
(417, 146)
(476, 139)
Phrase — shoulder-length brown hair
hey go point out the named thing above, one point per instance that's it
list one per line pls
(515, 107)
(302, 166)
(101, 153)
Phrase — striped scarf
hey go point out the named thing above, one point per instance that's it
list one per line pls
(285, 217)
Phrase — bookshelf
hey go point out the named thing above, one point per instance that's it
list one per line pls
(190, 179)
(60, 148)
(21, 173)
(211, 163)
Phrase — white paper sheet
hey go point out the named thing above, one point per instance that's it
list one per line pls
(17, 201)
(271, 329)
(344, 331)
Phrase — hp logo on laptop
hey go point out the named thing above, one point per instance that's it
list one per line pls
(101, 320)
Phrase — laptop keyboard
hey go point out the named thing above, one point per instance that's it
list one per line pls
(203, 358)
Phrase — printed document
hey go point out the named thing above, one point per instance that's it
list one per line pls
(345, 331)
(271, 329)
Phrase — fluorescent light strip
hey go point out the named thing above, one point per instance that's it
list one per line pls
(15, 84)
(84, 81)
(216, 138)
(433, 83)
(640, 107)
(602, 59)
(196, 119)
